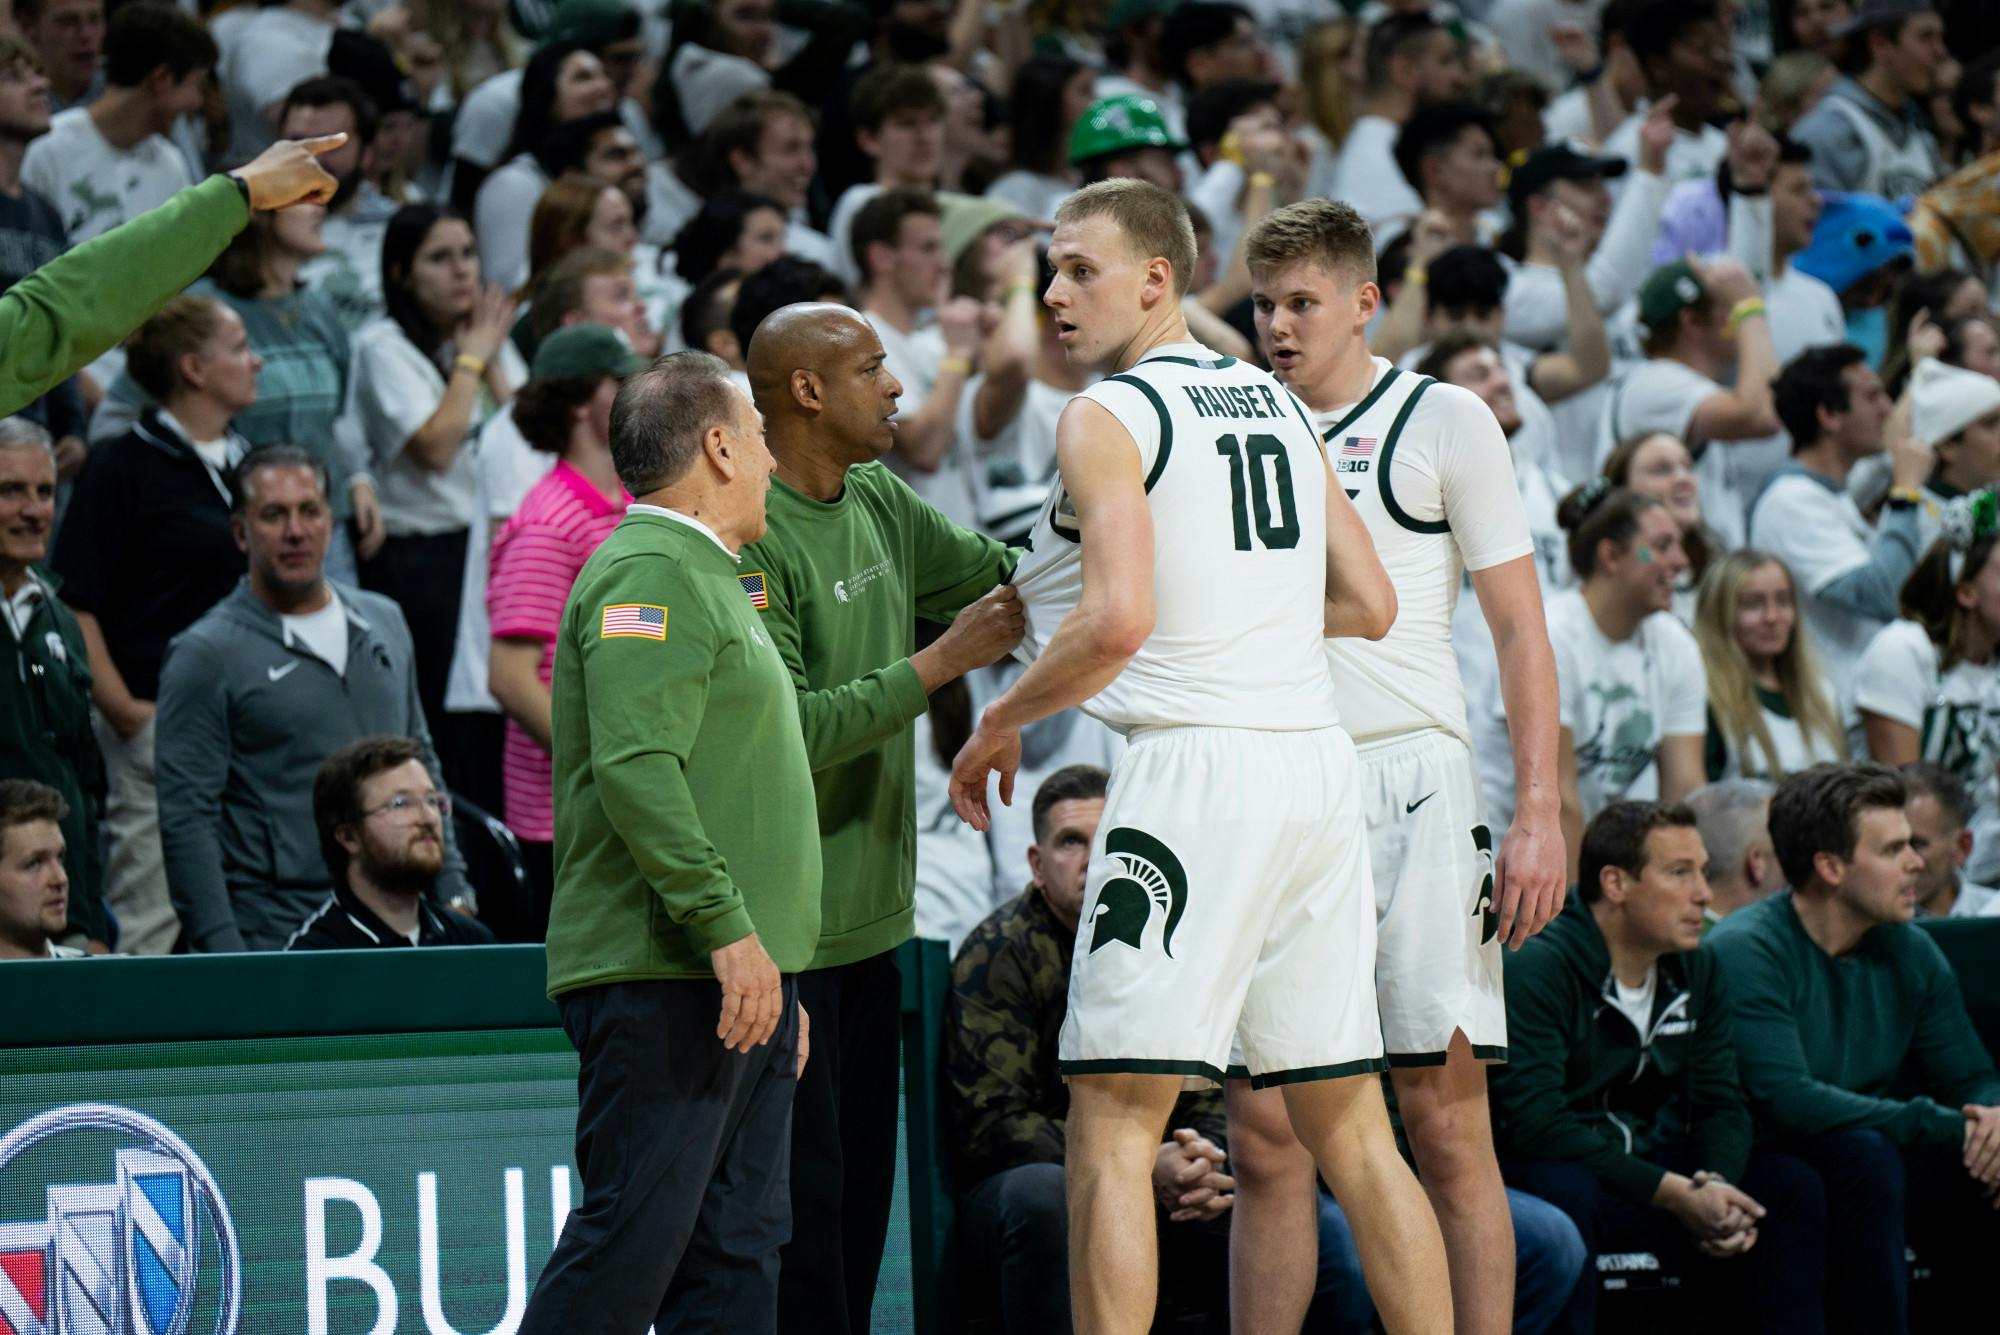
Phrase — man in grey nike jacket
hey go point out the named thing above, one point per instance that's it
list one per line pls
(269, 682)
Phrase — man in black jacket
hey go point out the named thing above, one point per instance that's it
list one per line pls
(1620, 1102)
(381, 830)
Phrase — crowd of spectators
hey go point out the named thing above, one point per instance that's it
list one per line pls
(283, 556)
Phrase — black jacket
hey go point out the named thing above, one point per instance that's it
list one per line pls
(345, 923)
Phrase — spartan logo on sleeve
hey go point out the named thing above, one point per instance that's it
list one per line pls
(1149, 875)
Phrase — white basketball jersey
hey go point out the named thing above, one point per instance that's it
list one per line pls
(1236, 483)
(1430, 471)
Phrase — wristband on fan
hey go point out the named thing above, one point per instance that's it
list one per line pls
(955, 366)
(467, 362)
(1748, 308)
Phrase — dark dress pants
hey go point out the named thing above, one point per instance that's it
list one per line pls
(684, 1150)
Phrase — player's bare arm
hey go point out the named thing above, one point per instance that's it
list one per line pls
(1360, 598)
(1529, 874)
(1099, 465)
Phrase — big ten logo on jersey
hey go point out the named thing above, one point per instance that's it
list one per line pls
(1355, 455)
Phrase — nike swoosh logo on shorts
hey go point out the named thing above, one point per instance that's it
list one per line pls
(280, 673)
(1419, 802)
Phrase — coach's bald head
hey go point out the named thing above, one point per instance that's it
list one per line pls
(816, 372)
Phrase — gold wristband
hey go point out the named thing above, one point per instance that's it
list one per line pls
(1417, 274)
(467, 362)
(1262, 180)
(1014, 288)
(1906, 495)
(1230, 149)
(1748, 308)
(960, 365)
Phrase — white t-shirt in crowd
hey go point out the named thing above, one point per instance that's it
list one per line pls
(1011, 471)
(913, 359)
(1636, 1003)
(484, 125)
(1813, 527)
(1803, 312)
(956, 868)
(1524, 29)
(670, 204)
(267, 55)
(94, 186)
(1692, 157)
(323, 634)
(1622, 698)
(1661, 394)
(505, 467)
(349, 271)
(500, 215)
(395, 389)
(1955, 714)
(1031, 192)
(1369, 179)
(841, 225)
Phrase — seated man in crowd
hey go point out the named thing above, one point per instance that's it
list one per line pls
(1940, 811)
(254, 696)
(381, 826)
(1619, 1101)
(34, 887)
(1733, 816)
(1838, 1006)
(1010, 993)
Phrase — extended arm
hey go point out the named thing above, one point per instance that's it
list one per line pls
(1529, 869)
(1099, 464)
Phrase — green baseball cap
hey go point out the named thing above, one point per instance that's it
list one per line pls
(1667, 291)
(583, 350)
(1118, 124)
(592, 23)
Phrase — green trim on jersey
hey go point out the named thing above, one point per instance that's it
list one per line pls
(1481, 1052)
(1219, 364)
(1396, 511)
(1354, 415)
(1307, 1074)
(1160, 407)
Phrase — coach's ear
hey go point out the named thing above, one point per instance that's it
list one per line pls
(808, 390)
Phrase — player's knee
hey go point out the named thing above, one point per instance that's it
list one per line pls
(1453, 1146)
(1263, 1151)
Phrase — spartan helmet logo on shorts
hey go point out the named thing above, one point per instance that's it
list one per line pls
(1149, 874)
(1483, 907)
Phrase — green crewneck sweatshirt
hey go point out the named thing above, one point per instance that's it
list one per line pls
(683, 800)
(846, 580)
(1821, 1040)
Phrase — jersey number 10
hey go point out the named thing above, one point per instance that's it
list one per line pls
(1248, 455)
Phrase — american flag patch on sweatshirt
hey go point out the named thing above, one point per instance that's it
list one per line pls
(753, 585)
(646, 621)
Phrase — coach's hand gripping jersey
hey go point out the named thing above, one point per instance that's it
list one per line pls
(1236, 482)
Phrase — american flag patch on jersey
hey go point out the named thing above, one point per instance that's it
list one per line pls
(1358, 447)
(754, 586)
(645, 621)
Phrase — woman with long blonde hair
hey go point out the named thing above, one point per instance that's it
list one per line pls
(1769, 711)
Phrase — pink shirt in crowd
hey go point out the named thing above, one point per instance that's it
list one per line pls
(536, 559)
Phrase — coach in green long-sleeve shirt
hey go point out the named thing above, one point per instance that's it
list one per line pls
(686, 882)
(852, 558)
(1853, 1041)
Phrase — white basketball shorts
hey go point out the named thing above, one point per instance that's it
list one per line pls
(1438, 953)
(1229, 897)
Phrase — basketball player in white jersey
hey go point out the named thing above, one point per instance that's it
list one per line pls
(1179, 585)
(1429, 470)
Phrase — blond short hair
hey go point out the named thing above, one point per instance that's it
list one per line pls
(1324, 231)
(1155, 221)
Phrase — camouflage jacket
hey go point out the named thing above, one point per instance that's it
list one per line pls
(1009, 992)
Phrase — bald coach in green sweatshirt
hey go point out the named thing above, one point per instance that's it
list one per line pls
(687, 883)
(852, 559)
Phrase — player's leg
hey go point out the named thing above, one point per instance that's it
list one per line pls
(1438, 983)
(1345, 1124)
(1451, 1134)
(1273, 1248)
(1113, 1132)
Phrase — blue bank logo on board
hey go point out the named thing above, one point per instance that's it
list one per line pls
(119, 1252)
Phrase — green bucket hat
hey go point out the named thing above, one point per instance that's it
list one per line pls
(584, 350)
(1118, 124)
